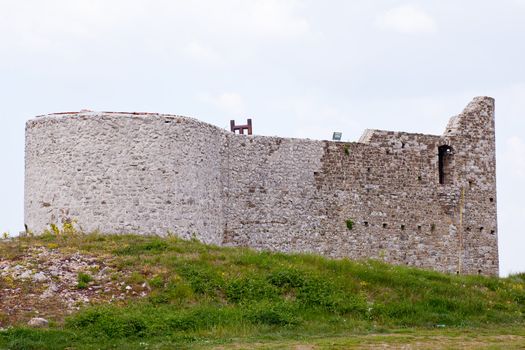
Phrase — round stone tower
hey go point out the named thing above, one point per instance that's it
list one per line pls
(124, 173)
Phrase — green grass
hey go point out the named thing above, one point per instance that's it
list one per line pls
(205, 296)
(83, 280)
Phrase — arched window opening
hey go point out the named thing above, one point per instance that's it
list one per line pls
(445, 154)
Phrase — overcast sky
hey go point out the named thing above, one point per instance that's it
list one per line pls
(298, 68)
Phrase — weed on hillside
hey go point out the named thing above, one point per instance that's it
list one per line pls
(202, 294)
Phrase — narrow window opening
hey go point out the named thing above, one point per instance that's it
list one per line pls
(432, 227)
(368, 169)
(365, 223)
(402, 145)
(457, 272)
(445, 154)
(481, 229)
(402, 227)
(491, 200)
(479, 272)
(467, 229)
(419, 227)
(384, 225)
(492, 232)
(470, 184)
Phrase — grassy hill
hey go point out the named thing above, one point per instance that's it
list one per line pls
(139, 292)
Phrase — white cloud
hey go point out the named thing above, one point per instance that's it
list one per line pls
(230, 102)
(407, 19)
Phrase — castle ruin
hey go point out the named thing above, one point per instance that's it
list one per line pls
(406, 198)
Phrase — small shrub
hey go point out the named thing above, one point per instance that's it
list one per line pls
(48, 236)
(180, 292)
(316, 292)
(174, 293)
(272, 314)
(202, 279)
(52, 245)
(399, 312)
(54, 229)
(519, 277)
(250, 289)
(261, 260)
(492, 284)
(182, 323)
(319, 292)
(156, 282)
(287, 278)
(441, 304)
(349, 224)
(156, 245)
(347, 150)
(83, 280)
(196, 319)
(68, 228)
(135, 278)
(110, 322)
(158, 298)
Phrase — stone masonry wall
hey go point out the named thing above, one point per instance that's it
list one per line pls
(122, 173)
(151, 173)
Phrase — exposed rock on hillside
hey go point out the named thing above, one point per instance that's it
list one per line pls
(43, 281)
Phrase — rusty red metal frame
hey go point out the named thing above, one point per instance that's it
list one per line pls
(241, 128)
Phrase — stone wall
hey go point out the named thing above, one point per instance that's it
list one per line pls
(123, 173)
(151, 173)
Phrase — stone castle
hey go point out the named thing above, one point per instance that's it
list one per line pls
(414, 199)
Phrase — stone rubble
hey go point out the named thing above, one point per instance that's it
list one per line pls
(43, 281)
(38, 322)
